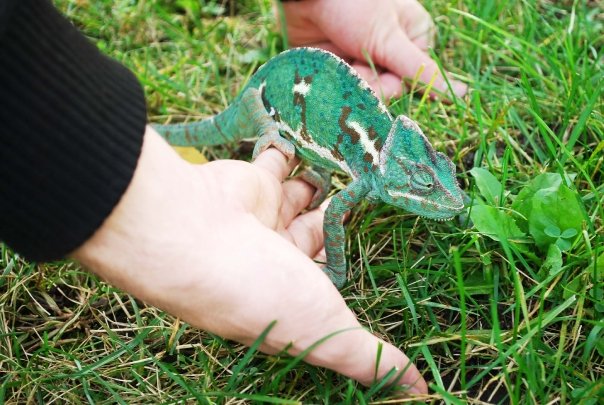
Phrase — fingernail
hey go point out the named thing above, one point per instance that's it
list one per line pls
(413, 390)
(459, 88)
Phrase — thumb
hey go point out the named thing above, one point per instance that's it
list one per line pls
(401, 56)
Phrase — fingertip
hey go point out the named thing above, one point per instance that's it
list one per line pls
(324, 204)
(389, 86)
(276, 163)
(417, 390)
(459, 89)
(321, 257)
(410, 377)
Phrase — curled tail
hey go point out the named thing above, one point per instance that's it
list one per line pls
(215, 130)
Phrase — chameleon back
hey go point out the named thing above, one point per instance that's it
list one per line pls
(320, 104)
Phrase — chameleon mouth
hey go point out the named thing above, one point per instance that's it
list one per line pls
(438, 219)
(444, 219)
(449, 209)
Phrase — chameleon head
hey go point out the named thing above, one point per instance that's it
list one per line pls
(416, 177)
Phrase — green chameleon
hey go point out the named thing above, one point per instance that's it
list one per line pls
(310, 102)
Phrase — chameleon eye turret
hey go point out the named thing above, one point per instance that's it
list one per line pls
(416, 177)
(422, 181)
(310, 102)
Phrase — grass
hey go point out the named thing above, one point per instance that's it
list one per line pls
(487, 314)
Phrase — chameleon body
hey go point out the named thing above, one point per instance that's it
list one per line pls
(310, 102)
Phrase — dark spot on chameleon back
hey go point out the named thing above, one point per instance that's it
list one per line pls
(299, 99)
(378, 145)
(372, 133)
(374, 136)
(361, 106)
(336, 154)
(299, 79)
(346, 95)
(354, 136)
(276, 116)
(367, 157)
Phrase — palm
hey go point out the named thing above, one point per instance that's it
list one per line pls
(395, 35)
(259, 190)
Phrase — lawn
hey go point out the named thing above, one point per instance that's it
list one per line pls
(503, 304)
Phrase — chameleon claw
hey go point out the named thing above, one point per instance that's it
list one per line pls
(281, 144)
(321, 181)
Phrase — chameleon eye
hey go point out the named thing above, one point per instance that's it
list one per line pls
(422, 180)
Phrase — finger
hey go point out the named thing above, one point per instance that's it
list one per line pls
(403, 57)
(356, 353)
(309, 311)
(418, 25)
(297, 194)
(422, 36)
(386, 85)
(275, 163)
(391, 358)
(306, 231)
(321, 257)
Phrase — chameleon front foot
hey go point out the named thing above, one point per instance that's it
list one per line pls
(336, 275)
(321, 181)
(333, 229)
(276, 141)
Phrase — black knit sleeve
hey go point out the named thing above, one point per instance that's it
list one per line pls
(71, 129)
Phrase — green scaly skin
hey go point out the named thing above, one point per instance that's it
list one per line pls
(310, 102)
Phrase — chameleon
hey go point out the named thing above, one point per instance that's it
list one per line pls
(311, 103)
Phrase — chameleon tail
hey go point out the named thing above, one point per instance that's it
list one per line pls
(215, 130)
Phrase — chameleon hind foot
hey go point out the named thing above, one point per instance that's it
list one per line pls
(321, 181)
(276, 141)
(253, 112)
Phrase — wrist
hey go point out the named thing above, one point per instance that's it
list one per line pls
(150, 227)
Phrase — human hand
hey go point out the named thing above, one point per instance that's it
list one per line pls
(223, 247)
(396, 34)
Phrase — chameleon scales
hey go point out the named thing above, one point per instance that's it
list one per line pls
(310, 102)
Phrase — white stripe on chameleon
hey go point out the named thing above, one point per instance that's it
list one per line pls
(302, 88)
(318, 149)
(398, 194)
(368, 144)
(383, 109)
(420, 199)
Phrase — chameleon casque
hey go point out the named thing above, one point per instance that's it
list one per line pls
(310, 102)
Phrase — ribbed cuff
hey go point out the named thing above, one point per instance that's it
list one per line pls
(71, 128)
